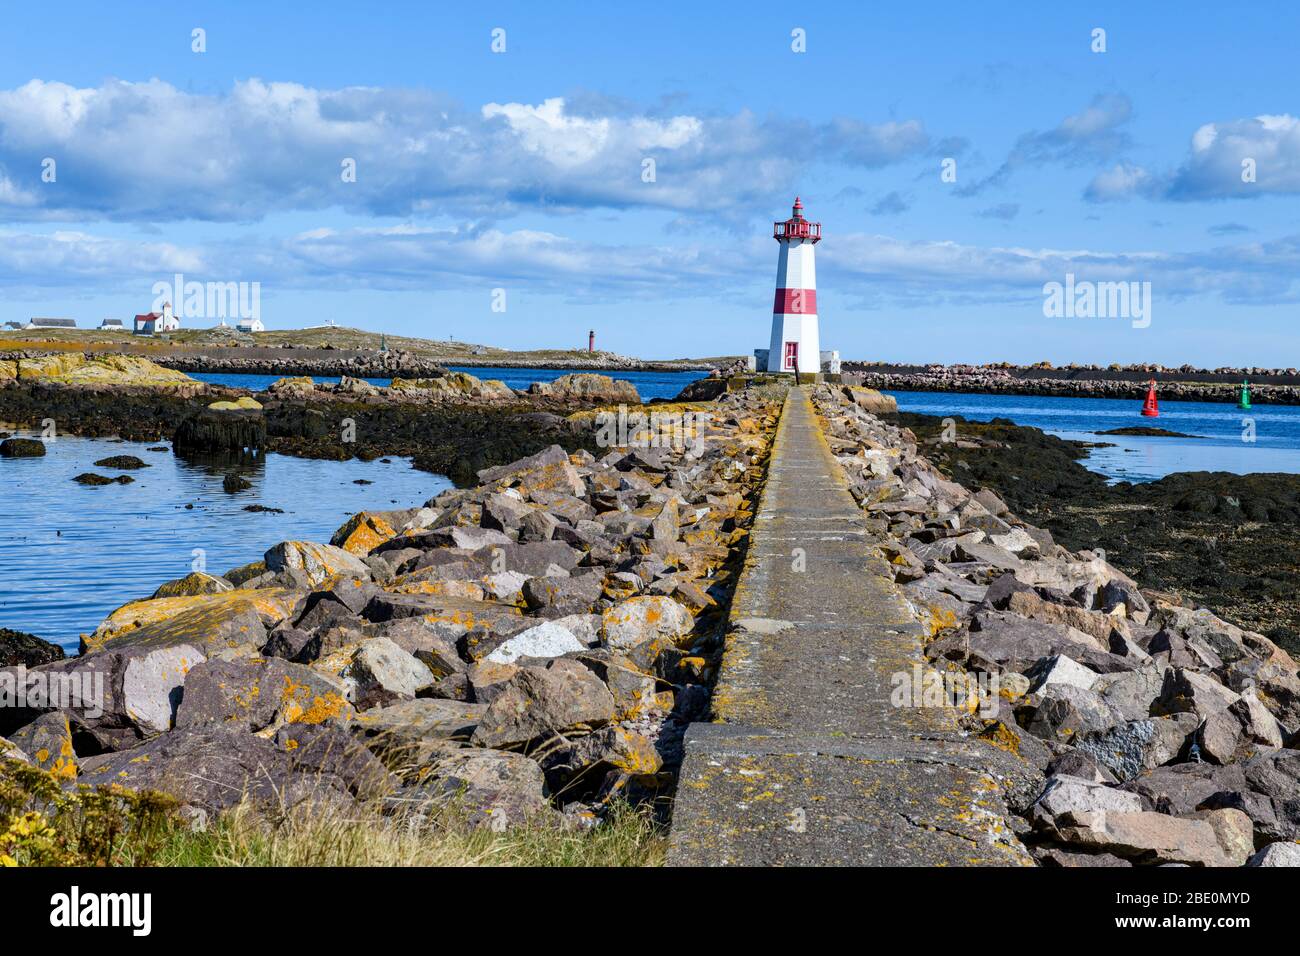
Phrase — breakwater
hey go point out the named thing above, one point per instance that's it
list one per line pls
(1275, 387)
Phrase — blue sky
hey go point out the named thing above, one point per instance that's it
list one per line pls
(522, 171)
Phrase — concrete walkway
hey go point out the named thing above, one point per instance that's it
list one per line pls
(807, 761)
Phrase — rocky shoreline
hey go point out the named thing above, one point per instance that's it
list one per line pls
(1230, 542)
(400, 362)
(532, 646)
(448, 422)
(1268, 386)
(359, 363)
(1160, 733)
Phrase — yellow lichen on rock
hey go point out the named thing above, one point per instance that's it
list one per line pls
(194, 583)
(271, 604)
(77, 368)
(446, 587)
(292, 385)
(362, 533)
(243, 403)
(299, 705)
(454, 385)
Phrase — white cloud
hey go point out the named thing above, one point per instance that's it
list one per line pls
(148, 152)
(77, 260)
(1093, 134)
(1241, 159)
(1214, 167)
(882, 269)
(1121, 181)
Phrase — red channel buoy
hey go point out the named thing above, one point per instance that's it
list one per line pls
(1151, 407)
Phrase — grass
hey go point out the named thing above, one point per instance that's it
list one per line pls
(335, 336)
(338, 337)
(43, 824)
(627, 837)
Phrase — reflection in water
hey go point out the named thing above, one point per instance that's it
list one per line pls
(245, 463)
(72, 553)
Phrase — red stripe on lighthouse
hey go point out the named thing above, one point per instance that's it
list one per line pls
(795, 302)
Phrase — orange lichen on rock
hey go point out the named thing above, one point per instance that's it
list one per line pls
(362, 533)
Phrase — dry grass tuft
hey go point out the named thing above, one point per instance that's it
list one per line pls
(242, 837)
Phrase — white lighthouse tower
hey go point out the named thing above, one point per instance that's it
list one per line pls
(795, 346)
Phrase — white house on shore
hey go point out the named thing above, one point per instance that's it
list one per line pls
(112, 325)
(250, 325)
(153, 323)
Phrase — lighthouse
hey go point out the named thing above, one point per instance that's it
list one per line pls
(794, 345)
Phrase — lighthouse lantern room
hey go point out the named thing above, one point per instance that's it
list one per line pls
(794, 345)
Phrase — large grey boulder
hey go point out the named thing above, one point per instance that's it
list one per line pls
(1063, 711)
(540, 702)
(1066, 794)
(432, 644)
(1063, 610)
(196, 582)
(491, 788)
(1218, 737)
(505, 512)
(1202, 626)
(212, 769)
(380, 672)
(558, 596)
(1186, 691)
(1016, 643)
(554, 455)
(584, 761)
(643, 620)
(253, 694)
(1257, 724)
(633, 690)
(1130, 748)
(213, 623)
(536, 558)
(538, 525)
(487, 679)
(314, 564)
(1060, 669)
(1153, 838)
(1275, 683)
(349, 595)
(1132, 693)
(547, 639)
(471, 539)
(1277, 854)
(331, 752)
(118, 696)
(409, 735)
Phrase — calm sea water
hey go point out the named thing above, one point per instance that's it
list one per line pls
(72, 553)
(648, 384)
(1223, 429)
